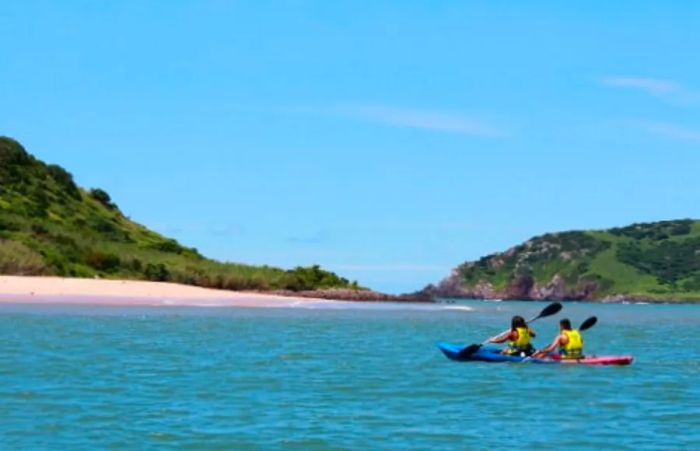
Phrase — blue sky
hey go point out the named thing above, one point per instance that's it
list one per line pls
(388, 141)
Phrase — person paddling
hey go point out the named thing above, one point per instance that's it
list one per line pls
(569, 343)
(518, 338)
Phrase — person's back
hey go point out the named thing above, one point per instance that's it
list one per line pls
(521, 341)
(569, 343)
(519, 338)
(572, 346)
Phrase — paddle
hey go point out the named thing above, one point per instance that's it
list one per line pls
(588, 323)
(551, 309)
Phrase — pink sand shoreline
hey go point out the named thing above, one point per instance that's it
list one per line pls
(60, 290)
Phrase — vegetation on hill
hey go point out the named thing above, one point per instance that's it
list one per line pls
(657, 261)
(50, 226)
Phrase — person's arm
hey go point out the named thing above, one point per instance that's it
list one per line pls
(503, 338)
(552, 346)
(532, 333)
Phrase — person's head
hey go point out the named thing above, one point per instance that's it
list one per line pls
(565, 324)
(517, 321)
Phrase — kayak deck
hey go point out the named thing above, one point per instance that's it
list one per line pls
(490, 354)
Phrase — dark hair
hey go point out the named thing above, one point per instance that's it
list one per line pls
(565, 323)
(517, 321)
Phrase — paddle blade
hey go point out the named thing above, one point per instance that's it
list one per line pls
(588, 323)
(469, 350)
(551, 309)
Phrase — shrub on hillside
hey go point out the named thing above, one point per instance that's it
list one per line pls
(312, 277)
(654, 231)
(102, 197)
(10, 224)
(168, 245)
(12, 157)
(156, 272)
(102, 261)
(668, 261)
(64, 179)
(18, 259)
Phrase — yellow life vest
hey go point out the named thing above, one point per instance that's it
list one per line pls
(574, 348)
(523, 341)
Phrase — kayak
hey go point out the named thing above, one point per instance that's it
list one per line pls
(490, 354)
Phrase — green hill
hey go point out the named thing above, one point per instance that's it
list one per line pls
(650, 261)
(51, 226)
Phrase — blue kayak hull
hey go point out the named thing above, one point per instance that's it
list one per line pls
(484, 354)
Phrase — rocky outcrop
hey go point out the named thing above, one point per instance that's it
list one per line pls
(521, 288)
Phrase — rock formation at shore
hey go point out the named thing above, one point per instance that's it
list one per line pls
(520, 288)
(657, 261)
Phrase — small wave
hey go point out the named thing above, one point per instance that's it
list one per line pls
(195, 303)
(465, 308)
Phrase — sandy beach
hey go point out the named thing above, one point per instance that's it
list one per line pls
(61, 290)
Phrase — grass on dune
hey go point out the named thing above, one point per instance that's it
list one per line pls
(50, 226)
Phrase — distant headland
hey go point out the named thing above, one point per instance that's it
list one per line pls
(657, 262)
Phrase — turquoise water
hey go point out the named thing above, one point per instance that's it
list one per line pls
(346, 377)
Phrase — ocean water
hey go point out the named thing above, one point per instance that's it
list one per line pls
(346, 376)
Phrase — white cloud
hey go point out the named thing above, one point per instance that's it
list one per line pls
(668, 90)
(650, 85)
(433, 120)
(674, 131)
(319, 237)
(420, 119)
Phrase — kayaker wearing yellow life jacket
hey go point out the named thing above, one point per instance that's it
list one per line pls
(569, 343)
(519, 338)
